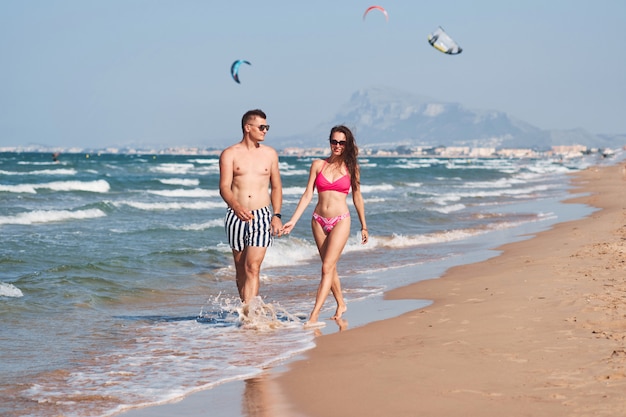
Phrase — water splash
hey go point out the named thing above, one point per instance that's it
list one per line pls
(255, 315)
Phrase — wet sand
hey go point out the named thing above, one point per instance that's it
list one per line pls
(538, 331)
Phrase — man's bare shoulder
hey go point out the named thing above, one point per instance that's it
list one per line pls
(233, 147)
(268, 150)
(230, 151)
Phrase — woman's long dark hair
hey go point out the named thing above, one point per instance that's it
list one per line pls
(349, 155)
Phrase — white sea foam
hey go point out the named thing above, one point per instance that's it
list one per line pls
(196, 192)
(21, 188)
(546, 168)
(444, 199)
(412, 165)
(62, 171)
(491, 193)
(374, 188)
(501, 183)
(448, 209)
(205, 225)
(500, 165)
(402, 241)
(292, 172)
(373, 200)
(98, 186)
(368, 165)
(39, 163)
(173, 168)
(180, 181)
(205, 170)
(355, 244)
(197, 205)
(293, 190)
(10, 290)
(49, 216)
(288, 251)
(212, 161)
(397, 241)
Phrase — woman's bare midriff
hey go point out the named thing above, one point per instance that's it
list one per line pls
(331, 204)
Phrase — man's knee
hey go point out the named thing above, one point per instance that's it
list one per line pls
(253, 267)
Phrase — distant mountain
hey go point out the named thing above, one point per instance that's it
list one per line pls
(384, 118)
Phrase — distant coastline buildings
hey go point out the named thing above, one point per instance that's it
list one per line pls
(561, 152)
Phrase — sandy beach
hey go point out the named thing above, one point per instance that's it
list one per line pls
(538, 331)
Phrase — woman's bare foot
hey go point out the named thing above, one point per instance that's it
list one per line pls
(313, 324)
(340, 310)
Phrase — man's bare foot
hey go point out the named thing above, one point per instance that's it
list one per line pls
(340, 310)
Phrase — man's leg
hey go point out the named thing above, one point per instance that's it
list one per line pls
(240, 271)
(249, 272)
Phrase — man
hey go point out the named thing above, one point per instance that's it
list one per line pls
(253, 217)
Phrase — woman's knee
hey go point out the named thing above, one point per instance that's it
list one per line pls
(329, 268)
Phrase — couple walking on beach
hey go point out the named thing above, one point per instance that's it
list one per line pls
(249, 168)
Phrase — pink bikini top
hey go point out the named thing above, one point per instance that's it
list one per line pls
(341, 184)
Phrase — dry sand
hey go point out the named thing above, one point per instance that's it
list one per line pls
(537, 331)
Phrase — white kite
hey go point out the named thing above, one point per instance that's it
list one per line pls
(441, 41)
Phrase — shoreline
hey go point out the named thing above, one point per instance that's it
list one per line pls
(458, 353)
(538, 330)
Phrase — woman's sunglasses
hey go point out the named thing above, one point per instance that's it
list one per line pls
(338, 142)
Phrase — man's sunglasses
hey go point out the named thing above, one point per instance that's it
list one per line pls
(338, 142)
(262, 128)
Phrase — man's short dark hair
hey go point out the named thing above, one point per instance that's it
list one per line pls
(249, 115)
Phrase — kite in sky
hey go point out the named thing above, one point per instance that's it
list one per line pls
(234, 69)
(376, 8)
(440, 40)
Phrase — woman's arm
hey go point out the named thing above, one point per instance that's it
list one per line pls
(359, 205)
(306, 198)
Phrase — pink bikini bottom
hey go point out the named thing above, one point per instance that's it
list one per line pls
(328, 223)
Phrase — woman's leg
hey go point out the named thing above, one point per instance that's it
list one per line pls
(335, 289)
(330, 247)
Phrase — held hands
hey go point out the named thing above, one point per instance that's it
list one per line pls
(277, 226)
(288, 227)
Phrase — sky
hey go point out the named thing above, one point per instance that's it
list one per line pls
(119, 73)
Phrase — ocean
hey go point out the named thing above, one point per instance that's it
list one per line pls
(117, 287)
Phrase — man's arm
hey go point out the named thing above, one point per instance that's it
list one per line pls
(276, 195)
(226, 183)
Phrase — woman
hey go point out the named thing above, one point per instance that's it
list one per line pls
(333, 178)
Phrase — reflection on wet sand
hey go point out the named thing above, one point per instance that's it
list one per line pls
(343, 324)
(260, 396)
(255, 401)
